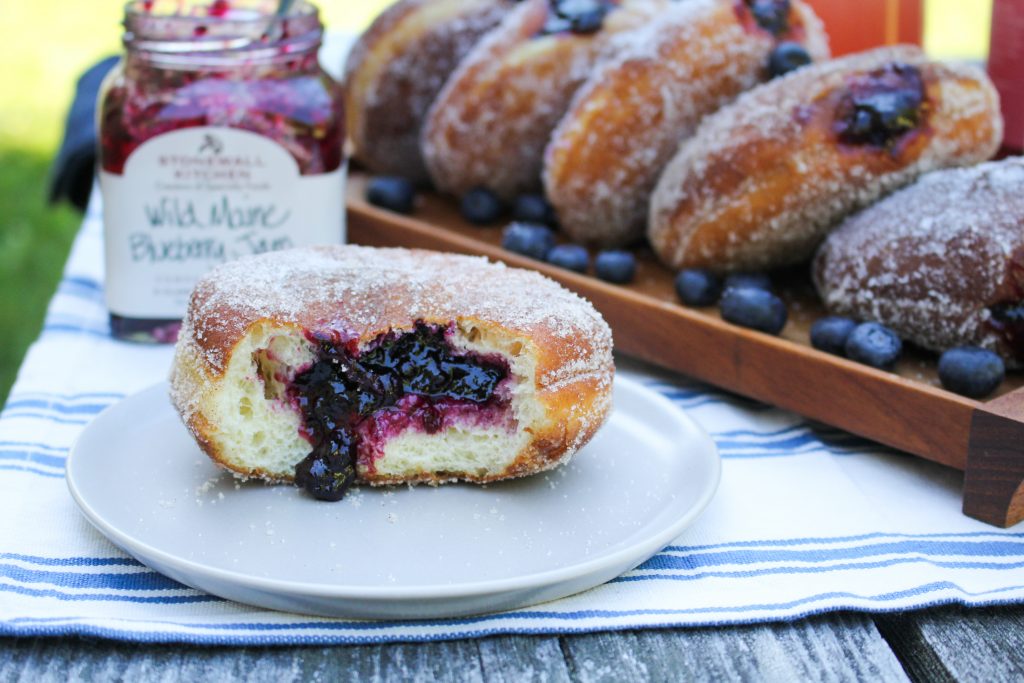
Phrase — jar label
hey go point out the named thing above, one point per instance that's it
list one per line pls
(193, 198)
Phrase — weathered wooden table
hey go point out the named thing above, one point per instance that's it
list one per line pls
(942, 644)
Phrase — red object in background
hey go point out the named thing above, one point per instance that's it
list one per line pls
(856, 25)
(1006, 67)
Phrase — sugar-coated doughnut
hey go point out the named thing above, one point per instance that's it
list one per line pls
(491, 122)
(765, 178)
(941, 261)
(627, 120)
(397, 68)
(399, 365)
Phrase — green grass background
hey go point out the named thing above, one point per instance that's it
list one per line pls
(45, 44)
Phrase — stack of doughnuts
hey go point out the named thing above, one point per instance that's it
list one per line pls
(671, 121)
(518, 105)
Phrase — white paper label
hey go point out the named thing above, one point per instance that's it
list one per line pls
(197, 197)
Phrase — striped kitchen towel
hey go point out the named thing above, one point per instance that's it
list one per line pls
(808, 519)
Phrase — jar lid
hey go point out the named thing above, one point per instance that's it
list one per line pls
(219, 31)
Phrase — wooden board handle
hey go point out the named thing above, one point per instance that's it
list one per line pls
(994, 477)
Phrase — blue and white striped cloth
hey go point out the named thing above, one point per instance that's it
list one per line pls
(808, 519)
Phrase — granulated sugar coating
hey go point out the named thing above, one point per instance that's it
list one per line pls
(398, 67)
(492, 120)
(932, 259)
(765, 178)
(628, 119)
(255, 327)
(362, 292)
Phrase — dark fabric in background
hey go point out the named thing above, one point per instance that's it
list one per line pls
(71, 176)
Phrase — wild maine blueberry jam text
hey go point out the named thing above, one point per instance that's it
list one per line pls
(245, 224)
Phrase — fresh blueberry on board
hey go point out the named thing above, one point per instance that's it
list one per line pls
(480, 206)
(570, 256)
(875, 345)
(698, 287)
(392, 193)
(971, 371)
(786, 57)
(615, 265)
(749, 281)
(533, 208)
(755, 308)
(528, 239)
(830, 334)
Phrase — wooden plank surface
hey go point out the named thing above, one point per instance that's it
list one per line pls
(840, 647)
(942, 644)
(959, 644)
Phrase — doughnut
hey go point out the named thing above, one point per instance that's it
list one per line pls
(397, 68)
(765, 178)
(626, 122)
(492, 120)
(387, 366)
(941, 262)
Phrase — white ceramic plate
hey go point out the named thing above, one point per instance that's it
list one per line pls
(402, 552)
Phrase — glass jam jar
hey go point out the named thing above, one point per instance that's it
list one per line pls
(220, 137)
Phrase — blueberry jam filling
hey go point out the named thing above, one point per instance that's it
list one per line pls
(576, 16)
(1008, 322)
(771, 15)
(881, 107)
(342, 389)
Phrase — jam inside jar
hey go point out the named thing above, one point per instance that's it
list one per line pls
(220, 137)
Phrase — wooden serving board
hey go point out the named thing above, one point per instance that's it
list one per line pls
(906, 409)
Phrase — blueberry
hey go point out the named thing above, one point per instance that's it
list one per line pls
(615, 265)
(880, 107)
(771, 15)
(578, 16)
(589, 21)
(749, 281)
(830, 334)
(480, 206)
(875, 345)
(697, 287)
(753, 307)
(533, 208)
(528, 239)
(570, 256)
(787, 57)
(971, 371)
(392, 193)
(328, 471)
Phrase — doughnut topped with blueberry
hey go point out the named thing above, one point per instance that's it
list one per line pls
(396, 69)
(627, 120)
(766, 178)
(490, 124)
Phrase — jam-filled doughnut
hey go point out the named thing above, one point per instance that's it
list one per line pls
(491, 122)
(346, 363)
(396, 69)
(765, 178)
(627, 120)
(941, 261)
